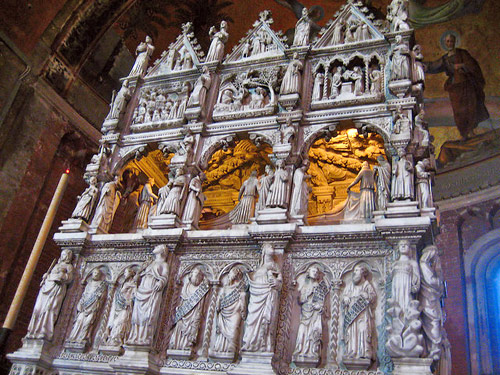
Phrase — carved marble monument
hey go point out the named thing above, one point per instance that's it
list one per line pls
(268, 211)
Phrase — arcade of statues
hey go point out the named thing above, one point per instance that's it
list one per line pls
(263, 211)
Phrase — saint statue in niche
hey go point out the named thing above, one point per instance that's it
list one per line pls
(278, 192)
(107, 205)
(465, 86)
(358, 300)
(366, 205)
(245, 208)
(49, 300)
(146, 200)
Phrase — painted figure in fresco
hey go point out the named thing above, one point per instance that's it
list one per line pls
(245, 208)
(312, 293)
(405, 276)
(143, 52)
(107, 205)
(292, 78)
(302, 29)
(49, 300)
(88, 308)
(366, 181)
(265, 286)
(278, 192)
(147, 298)
(358, 301)
(86, 201)
(119, 319)
(146, 200)
(219, 39)
(231, 311)
(188, 314)
(465, 86)
(263, 187)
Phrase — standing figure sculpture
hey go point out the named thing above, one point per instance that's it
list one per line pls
(219, 39)
(245, 208)
(336, 83)
(231, 309)
(423, 180)
(292, 78)
(405, 276)
(88, 308)
(119, 319)
(338, 33)
(188, 314)
(265, 286)
(173, 202)
(263, 187)
(162, 197)
(312, 293)
(431, 292)
(278, 192)
(358, 301)
(402, 178)
(376, 82)
(143, 52)
(146, 200)
(119, 102)
(400, 61)
(201, 87)
(465, 86)
(147, 299)
(319, 81)
(195, 200)
(86, 201)
(302, 29)
(300, 190)
(107, 205)
(366, 181)
(50, 298)
(383, 182)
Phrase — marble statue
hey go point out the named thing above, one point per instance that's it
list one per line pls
(402, 178)
(162, 197)
(420, 132)
(146, 200)
(119, 101)
(431, 292)
(143, 52)
(107, 205)
(201, 87)
(338, 33)
(366, 181)
(88, 308)
(404, 337)
(86, 201)
(300, 190)
(245, 52)
(118, 326)
(319, 81)
(423, 182)
(405, 275)
(401, 122)
(265, 286)
(153, 277)
(173, 203)
(375, 82)
(292, 78)
(186, 146)
(357, 76)
(358, 301)
(183, 100)
(397, 14)
(312, 294)
(195, 200)
(263, 187)
(418, 70)
(336, 83)
(258, 98)
(245, 208)
(188, 314)
(383, 182)
(302, 29)
(288, 131)
(400, 61)
(278, 191)
(50, 298)
(230, 312)
(219, 39)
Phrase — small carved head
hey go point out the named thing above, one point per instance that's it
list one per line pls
(129, 273)
(196, 276)
(97, 274)
(66, 256)
(235, 275)
(313, 272)
(359, 273)
(160, 251)
(404, 247)
(149, 39)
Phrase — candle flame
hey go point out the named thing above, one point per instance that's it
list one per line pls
(67, 171)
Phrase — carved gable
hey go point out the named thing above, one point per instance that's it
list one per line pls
(260, 42)
(352, 25)
(184, 54)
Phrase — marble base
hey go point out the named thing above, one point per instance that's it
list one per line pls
(289, 101)
(110, 349)
(400, 87)
(414, 366)
(299, 219)
(109, 125)
(428, 211)
(192, 114)
(254, 364)
(137, 359)
(305, 361)
(221, 357)
(179, 354)
(402, 209)
(34, 352)
(73, 225)
(75, 347)
(272, 216)
(357, 363)
(165, 221)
